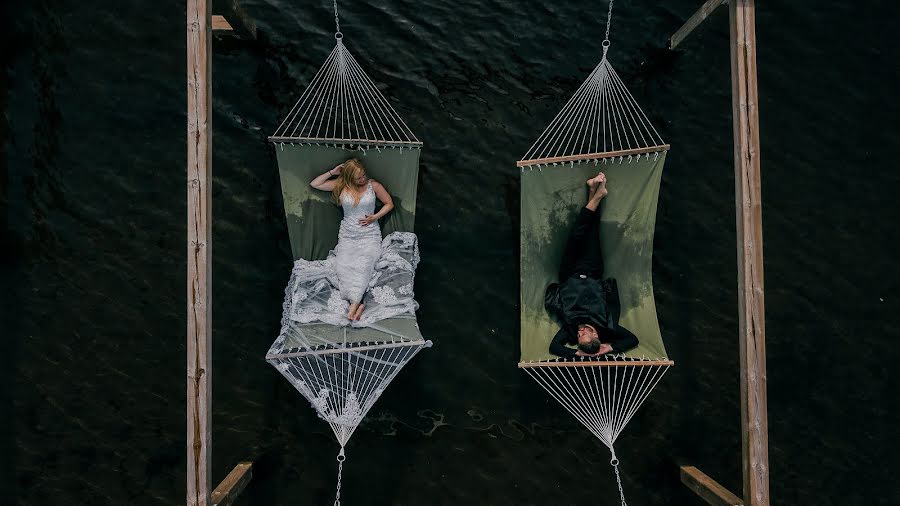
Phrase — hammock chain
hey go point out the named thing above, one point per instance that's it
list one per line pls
(337, 21)
(615, 463)
(608, 21)
(340, 458)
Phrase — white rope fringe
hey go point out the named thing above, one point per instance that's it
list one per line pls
(604, 398)
(342, 105)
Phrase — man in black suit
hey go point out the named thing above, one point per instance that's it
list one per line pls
(585, 304)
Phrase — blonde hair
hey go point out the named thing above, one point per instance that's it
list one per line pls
(347, 178)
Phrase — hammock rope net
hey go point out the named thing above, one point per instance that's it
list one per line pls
(342, 370)
(600, 127)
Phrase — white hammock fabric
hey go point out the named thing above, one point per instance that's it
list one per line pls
(342, 371)
(601, 122)
(342, 381)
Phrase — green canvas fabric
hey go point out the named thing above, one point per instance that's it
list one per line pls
(313, 220)
(550, 201)
(312, 216)
(302, 335)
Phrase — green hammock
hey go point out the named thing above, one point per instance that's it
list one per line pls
(601, 127)
(342, 370)
(313, 218)
(551, 199)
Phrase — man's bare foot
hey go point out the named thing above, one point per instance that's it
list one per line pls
(351, 314)
(596, 183)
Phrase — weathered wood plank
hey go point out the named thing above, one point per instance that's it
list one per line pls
(593, 156)
(598, 363)
(707, 488)
(199, 317)
(239, 21)
(754, 415)
(698, 17)
(220, 24)
(233, 484)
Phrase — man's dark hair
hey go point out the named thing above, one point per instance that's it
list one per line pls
(590, 348)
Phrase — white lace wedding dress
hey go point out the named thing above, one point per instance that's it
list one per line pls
(358, 246)
(362, 267)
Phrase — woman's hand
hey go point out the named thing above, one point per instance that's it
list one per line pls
(368, 220)
(336, 171)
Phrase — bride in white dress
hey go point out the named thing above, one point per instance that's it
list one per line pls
(359, 237)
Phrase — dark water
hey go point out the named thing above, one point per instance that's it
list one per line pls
(94, 265)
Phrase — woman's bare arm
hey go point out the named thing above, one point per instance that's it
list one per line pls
(386, 200)
(324, 182)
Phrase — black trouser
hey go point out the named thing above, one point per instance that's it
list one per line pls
(583, 255)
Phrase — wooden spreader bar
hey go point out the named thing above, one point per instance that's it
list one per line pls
(592, 156)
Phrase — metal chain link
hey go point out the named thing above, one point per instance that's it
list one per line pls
(608, 20)
(619, 481)
(340, 459)
(337, 21)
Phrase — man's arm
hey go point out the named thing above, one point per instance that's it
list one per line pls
(558, 345)
(621, 340)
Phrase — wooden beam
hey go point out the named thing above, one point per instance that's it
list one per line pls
(233, 484)
(707, 488)
(347, 349)
(199, 317)
(745, 100)
(350, 142)
(238, 20)
(702, 13)
(598, 363)
(220, 24)
(587, 157)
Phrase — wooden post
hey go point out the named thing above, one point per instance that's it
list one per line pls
(702, 13)
(199, 275)
(754, 416)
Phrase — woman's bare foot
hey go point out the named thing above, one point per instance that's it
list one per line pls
(351, 314)
(359, 311)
